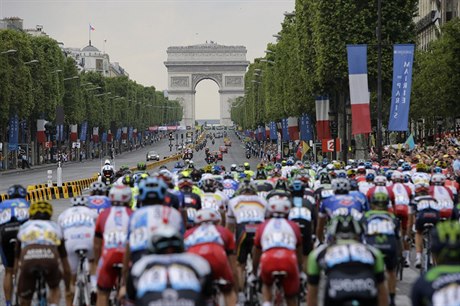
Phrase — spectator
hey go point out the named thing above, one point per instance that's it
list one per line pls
(25, 162)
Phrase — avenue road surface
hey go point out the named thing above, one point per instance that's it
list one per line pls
(76, 170)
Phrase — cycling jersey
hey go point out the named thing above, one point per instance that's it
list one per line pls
(213, 243)
(439, 286)
(426, 209)
(146, 219)
(303, 213)
(364, 186)
(192, 203)
(353, 272)
(41, 246)
(278, 239)
(112, 227)
(382, 231)
(213, 200)
(402, 195)
(385, 189)
(246, 211)
(445, 199)
(173, 279)
(13, 213)
(98, 203)
(230, 187)
(341, 204)
(77, 224)
(263, 188)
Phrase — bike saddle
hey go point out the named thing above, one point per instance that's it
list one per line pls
(81, 252)
(117, 266)
(279, 273)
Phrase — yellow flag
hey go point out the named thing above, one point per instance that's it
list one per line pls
(305, 148)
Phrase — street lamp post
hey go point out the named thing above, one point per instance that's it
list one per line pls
(34, 61)
(334, 131)
(10, 51)
(379, 79)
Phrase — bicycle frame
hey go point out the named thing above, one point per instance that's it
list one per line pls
(278, 298)
(82, 290)
(426, 248)
(41, 290)
(113, 298)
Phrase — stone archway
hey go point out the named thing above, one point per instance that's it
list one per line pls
(188, 65)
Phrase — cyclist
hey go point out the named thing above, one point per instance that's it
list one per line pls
(342, 203)
(107, 174)
(247, 170)
(216, 244)
(278, 247)
(425, 210)
(167, 276)
(110, 241)
(77, 224)
(244, 213)
(323, 188)
(13, 213)
(364, 186)
(211, 198)
(192, 201)
(41, 247)
(381, 230)
(97, 199)
(440, 285)
(442, 194)
(229, 185)
(354, 271)
(172, 197)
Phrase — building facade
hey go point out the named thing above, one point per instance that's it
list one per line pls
(432, 14)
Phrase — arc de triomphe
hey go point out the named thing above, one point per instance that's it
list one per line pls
(189, 65)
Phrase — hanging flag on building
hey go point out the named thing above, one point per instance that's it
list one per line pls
(302, 149)
(84, 130)
(104, 137)
(41, 136)
(403, 57)
(118, 136)
(273, 131)
(95, 134)
(285, 129)
(322, 118)
(73, 132)
(306, 132)
(359, 89)
(13, 133)
(293, 128)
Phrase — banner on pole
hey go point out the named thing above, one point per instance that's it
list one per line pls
(285, 129)
(359, 89)
(273, 131)
(13, 133)
(403, 57)
(322, 118)
(306, 132)
(84, 130)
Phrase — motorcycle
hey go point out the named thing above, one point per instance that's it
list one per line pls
(248, 154)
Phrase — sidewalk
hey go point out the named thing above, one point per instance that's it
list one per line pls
(39, 167)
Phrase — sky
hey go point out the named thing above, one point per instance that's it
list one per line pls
(138, 32)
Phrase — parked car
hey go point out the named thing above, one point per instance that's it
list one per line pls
(152, 155)
(223, 149)
(227, 142)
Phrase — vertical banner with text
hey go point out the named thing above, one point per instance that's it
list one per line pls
(403, 57)
(13, 133)
(273, 131)
(285, 129)
(306, 132)
(84, 131)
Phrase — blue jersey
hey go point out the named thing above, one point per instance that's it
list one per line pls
(14, 210)
(99, 203)
(230, 187)
(341, 204)
(361, 197)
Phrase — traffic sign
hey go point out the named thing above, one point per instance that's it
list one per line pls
(328, 145)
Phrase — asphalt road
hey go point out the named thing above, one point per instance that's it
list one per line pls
(236, 155)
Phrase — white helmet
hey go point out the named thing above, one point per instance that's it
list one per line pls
(207, 215)
(120, 195)
(107, 162)
(438, 179)
(78, 201)
(279, 206)
(397, 176)
(380, 180)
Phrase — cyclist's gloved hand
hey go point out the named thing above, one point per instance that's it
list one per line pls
(252, 279)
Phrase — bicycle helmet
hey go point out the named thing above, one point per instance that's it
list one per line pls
(41, 210)
(380, 199)
(281, 184)
(165, 239)
(324, 178)
(195, 175)
(107, 162)
(380, 180)
(228, 175)
(261, 175)
(421, 188)
(370, 177)
(345, 227)
(278, 207)
(340, 186)
(289, 162)
(97, 188)
(120, 195)
(152, 190)
(397, 177)
(128, 180)
(341, 174)
(247, 188)
(446, 241)
(437, 170)
(167, 177)
(247, 166)
(17, 192)
(209, 185)
(185, 184)
(353, 185)
(141, 166)
(406, 167)
(233, 167)
(296, 186)
(438, 179)
(207, 215)
(78, 201)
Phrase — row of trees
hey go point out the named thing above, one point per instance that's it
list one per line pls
(310, 60)
(37, 77)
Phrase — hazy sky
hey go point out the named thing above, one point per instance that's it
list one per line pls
(138, 32)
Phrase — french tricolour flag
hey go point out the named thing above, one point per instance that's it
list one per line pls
(293, 128)
(322, 118)
(73, 132)
(359, 90)
(41, 136)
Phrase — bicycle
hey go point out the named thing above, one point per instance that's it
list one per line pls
(217, 298)
(250, 289)
(113, 298)
(426, 254)
(278, 291)
(40, 289)
(82, 295)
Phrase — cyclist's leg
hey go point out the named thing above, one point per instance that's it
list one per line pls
(107, 276)
(7, 254)
(391, 261)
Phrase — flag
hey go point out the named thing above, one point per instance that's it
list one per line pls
(91, 28)
(41, 136)
(273, 131)
(403, 56)
(285, 129)
(410, 142)
(73, 132)
(359, 89)
(293, 128)
(302, 149)
(306, 132)
(322, 118)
